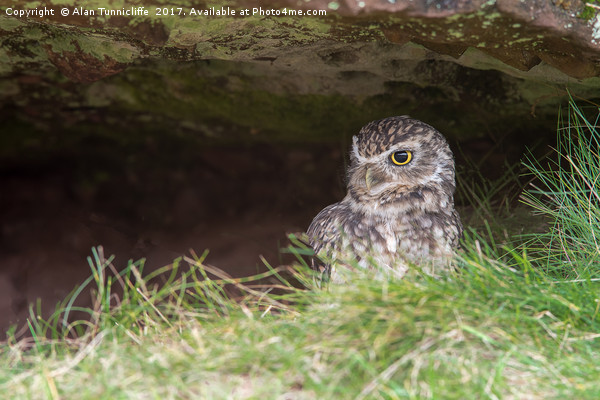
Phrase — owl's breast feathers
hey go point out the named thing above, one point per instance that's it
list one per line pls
(340, 234)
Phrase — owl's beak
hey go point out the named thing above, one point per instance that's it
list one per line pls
(370, 180)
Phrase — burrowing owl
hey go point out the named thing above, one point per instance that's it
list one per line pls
(399, 208)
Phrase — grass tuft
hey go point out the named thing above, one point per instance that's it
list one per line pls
(567, 191)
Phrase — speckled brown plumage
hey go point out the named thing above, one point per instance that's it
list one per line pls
(392, 214)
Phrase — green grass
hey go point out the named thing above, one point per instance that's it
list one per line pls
(588, 12)
(568, 193)
(511, 322)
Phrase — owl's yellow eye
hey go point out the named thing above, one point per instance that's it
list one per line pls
(401, 157)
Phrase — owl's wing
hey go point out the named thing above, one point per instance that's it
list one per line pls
(324, 234)
(459, 229)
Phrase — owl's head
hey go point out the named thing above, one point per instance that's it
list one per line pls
(399, 157)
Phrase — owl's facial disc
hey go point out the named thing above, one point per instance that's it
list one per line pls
(393, 158)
